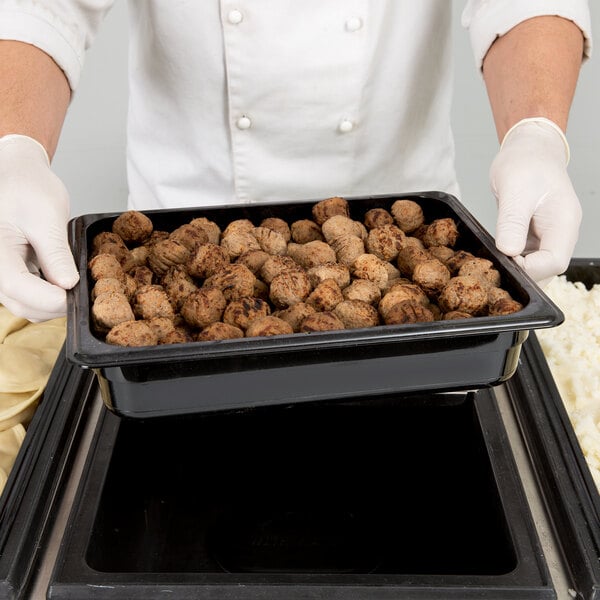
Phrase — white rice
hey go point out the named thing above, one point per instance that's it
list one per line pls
(572, 351)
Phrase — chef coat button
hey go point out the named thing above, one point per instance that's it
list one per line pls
(354, 24)
(346, 126)
(235, 17)
(243, 122)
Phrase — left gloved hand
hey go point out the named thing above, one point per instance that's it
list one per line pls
(539, 213)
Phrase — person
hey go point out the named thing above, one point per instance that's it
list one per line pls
(255, 101)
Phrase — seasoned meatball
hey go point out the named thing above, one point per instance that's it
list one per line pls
(441, 232)
(267, 326)
(505, 306)
(431, 275)
(355, 314)
(190, 236)
(240, 313)
(238, 226)
(110, 309)
(304, 231)
(178, 285)
(364, 290)
(402, 293)
(321, 321)
(339, 225)
(142, 275)
(133, 227)
(464, 293)
(407, 214)
(288, 288)
(326, 296)
(278, 225)
(369, 266)
(348, 248)
(210, 228)
(483, 268)
(219, 331)
(253, 259)
(271, 241)
(106, 265)
(206, 260)
(165, 254)
(385, 242)
(339, 273)
(235, 281)
(323, 210)
(275, 265)
(408, 311)
(455, 262)
(238, 242)
(409, 257)
(295, 314)
(108, 284)
(152, 301)
(203, 307)
(377, 217)
(132, 333)
(311, 254)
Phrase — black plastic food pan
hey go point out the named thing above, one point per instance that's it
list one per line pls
(231, 374)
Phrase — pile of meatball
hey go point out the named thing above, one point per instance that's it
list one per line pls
(332, 272)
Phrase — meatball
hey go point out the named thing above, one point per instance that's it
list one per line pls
(369, 266)
(133, 227)
(464, 293)
(431, 275)
(441, 232)
(240, 313)
(142, 275)
(364, 290)
(348, 248)
(289, 287)
(408, 311)
(409, 257)
(188, 235)
(311, 254)
(165, 254)
(210, 228)
(339, 225)
(178, 285)
(238, 226)
(304, 231)
(253, 259)
(275, 265)
(483, 268)
(152, 301)
(377, 217)
(455, 262)
(270, 241)
(268, 326)
(321, 321)
(110, 309)
(339, 273)
(407, 214)
(203, 307)
(355, 314)
(132, 333)
(238, 242)
(235, 281)
(106, 265)
(219, 331)
(108, 284)
(206, 260)
(329, 207)
(295, 314)
(278, 225)
(402, 293)
(385, 242)
(326, 296)
(505, 306)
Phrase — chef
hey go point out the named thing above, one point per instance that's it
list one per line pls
(253, 101)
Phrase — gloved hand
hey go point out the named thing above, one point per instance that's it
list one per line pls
(34, 210)
(539, 213)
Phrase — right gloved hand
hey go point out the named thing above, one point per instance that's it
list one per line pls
(34, 211)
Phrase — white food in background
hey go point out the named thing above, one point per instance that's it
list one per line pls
(573, 353)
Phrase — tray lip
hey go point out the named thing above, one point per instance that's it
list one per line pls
(88, 351)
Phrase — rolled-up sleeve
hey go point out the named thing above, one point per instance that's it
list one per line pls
(63, 29)
(487, 20)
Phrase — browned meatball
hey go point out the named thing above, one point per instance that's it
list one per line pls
(132, 333)
(178, 285)
(118, 249)
(242, 312)
(408, 311)
(203, 307)
(505, 306)
(110, 309)
(289, 287)
(455, 262)
(402, 293)
(483, 268)
(408, 215)
(496, 293)
(190, 236)
(456, 314)
(347, 248)
(311, 254)
(304, 231)
(105, 237)
(369, 266)
(108, 284)
(165, 254)
(138, 256)
(206, 260)
(409, 257)
(321, 211)
(238, 242)
(355, 314)
(326, 296)
(441, 232)
(271, 241)
(321, 321)
(210, 228)
(152, 301)
(161, 326)
(106, 265)
(294, 315)
(179, 335)
(156, 236)
(238, 226)
(142, 275)
(339, 225)
(235, 281)
(339, 273)
(431, 275)
(464, 293)
(442, 253)
(275, 265)
(364, 290)
(278, 225)
(268, 326)
(253, 259)
(133, 227)
(377, 217)
(385, 242)
(219, 331)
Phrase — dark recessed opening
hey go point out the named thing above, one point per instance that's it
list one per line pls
(389, 486)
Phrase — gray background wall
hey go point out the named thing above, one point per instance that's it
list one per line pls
(91, 155)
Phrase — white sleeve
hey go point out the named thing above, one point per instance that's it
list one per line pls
(487, 20)
(64, 29)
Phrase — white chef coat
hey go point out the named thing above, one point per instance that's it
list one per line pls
(273, 100)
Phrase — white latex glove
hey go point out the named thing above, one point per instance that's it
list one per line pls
(539, 213)
(34, 211)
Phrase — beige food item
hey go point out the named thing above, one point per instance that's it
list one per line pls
(289, 287)
(142, 275)
(321, 321)
(401, 293)
(442, 253)
(441, 232)
(294, 315)
(323, 210)
(178, 285)
(572, 351)
(311, 254)
(348, 248)
(238, 226)
(178, 335)
(326, 296)
(408, 215)
(108, 284)
(456, 314)
(278, 225)
(339, 225)
(456, 261)
(407, 311)
(339, 273)
(355, 314)
(207, 260)
(235, 281)
(219, 331)
(268, 326)
(364, 290)
(270, 241)
(483, 268)
(236, 243)
(105, 265)
(165, 254)
(504, 306)
(431, 275)
(212, 230)
(110, 309)
(152, 301)
(409, 256)
(115, 246)
(190, 236)
(464, 293)
(161, 326)
(369, 266)
(253, 259)
(376, 217)
(240, 313)
(132, 227)
(274, 265)
(203, 307)
(132, 334)
(385, 242)
(304, 231)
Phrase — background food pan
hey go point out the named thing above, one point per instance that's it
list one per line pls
(232, 374)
